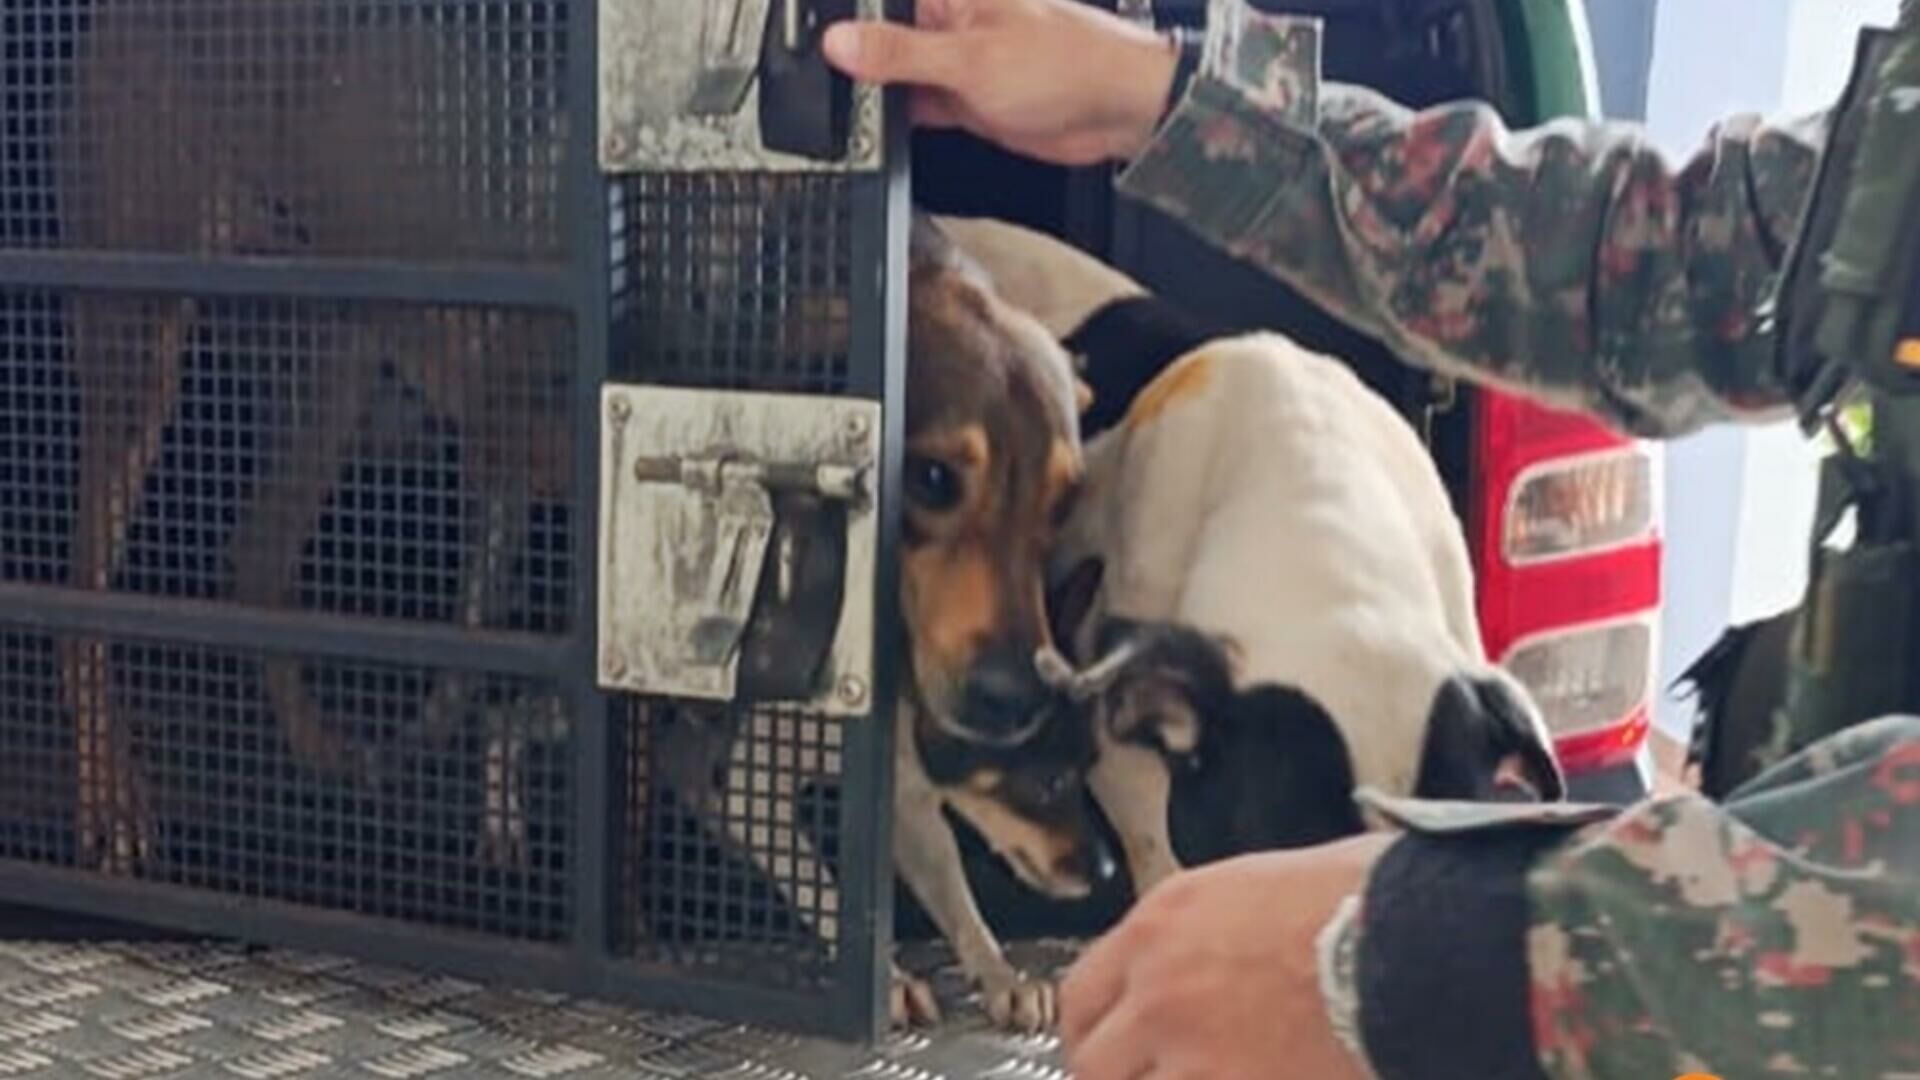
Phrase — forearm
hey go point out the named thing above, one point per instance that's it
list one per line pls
(1777, 934)
(1572, 263)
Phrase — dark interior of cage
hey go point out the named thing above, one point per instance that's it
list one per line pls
(363, 461)
(375, 462)
(359, 458)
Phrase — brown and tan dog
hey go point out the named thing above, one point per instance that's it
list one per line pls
(160, 154)
(993, 464)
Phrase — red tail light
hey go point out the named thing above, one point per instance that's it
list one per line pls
(1566, 524)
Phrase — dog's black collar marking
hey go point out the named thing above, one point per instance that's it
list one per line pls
(1272, 773)
(1270, 768)
(1126, 344)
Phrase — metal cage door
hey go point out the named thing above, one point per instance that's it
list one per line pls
(318, 319)
(750, 445)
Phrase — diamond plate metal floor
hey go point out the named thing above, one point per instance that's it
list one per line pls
(129, 1010)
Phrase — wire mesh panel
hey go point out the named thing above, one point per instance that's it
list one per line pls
(394, 460)
(464, 827)
(754, 897)
(736, 861)
(289, 505)
(300, 127)
(734, 280)
(305, 307)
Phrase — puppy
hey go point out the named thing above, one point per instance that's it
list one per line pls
(993, 464)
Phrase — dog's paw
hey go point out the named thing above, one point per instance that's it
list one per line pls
(910, 1001)
(1022, 1004)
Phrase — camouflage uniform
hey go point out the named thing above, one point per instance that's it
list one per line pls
(1570, 262)
(1777, 934)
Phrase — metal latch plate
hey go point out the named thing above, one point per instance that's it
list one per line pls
(667, 67)
(685, 519)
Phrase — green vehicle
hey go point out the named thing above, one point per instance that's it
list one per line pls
(1577, 623)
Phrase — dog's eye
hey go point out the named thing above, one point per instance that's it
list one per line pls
(931, 485)
(1062, 786)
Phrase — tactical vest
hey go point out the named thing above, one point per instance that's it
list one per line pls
(1847, 317)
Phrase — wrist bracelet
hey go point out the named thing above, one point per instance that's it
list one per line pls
(1187, 44)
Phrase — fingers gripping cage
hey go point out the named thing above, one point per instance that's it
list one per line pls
(306, 311)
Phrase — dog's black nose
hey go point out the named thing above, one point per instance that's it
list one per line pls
(1104, 866)
(1005, 693)
(1090, 864)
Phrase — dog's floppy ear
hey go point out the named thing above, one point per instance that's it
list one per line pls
(1529, 775)
(1174, 725)
(1070, 603)
(1530, 772)
(1157, 710)
(1486, 743)
(1530, 766)
(1180, 678)
(931, 248)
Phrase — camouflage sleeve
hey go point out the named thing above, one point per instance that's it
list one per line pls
(1572, 263)
(1778, 935)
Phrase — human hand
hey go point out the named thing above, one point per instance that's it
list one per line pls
(1051, 79)
(1215, 973)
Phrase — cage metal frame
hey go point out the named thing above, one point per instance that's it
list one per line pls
(855, 1005)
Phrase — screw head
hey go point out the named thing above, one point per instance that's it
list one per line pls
(854, 430)
(615, 145)
(614, 664)
(852, 689)
(621, 408)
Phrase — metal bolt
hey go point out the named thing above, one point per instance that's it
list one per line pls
(855, 431)
(621, 409)
(614, 664)
(615, 146)
(853, 689)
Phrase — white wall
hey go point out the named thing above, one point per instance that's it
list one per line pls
(1782, 471)
(1820, 40)
(1711, 59)
(1746, 492)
